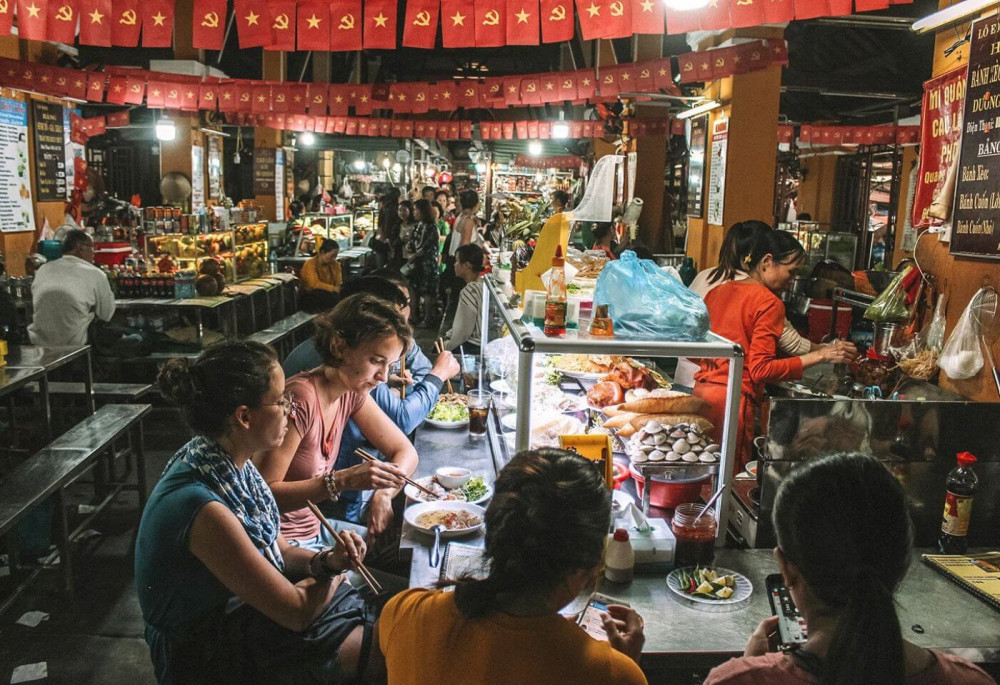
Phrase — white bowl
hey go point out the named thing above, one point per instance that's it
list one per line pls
(413, 512)
(452, 477)
(751, 468)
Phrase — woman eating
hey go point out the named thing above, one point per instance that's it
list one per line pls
(465, 330)
(358, 341)
(750, 313)
(423, 262)
(212, 569)
(844, 545)
(507, 628)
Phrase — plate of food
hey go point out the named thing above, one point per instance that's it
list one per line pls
(583, 366)
(458, 518)
(475, 491)
(715, 586)
(450, 411)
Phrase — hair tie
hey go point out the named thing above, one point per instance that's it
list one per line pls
(746, 260)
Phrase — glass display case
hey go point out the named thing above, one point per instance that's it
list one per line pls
(365, 222)
(518, 372)
(242, 251)
(823, 244)
(320, 227)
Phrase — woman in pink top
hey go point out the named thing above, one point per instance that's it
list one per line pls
(358, 340)
(844, 545)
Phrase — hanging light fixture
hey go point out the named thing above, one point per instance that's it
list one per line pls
(307, 138)
(165, 129)
(359, 164)
(535, 148)
(700, 109)
(686, 5)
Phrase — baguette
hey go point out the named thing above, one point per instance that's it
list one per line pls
(673, 419)
(678, 403)
(626, 432)
(611, 410)
(620, 420)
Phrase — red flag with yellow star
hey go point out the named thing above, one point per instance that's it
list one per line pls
(586, 84)
(346, 20)
(420, 23)
(31, 19)
(227, 97)
(522, 22)
(778, 11)
(556, 18)
(282, 25)
(457, 24)
(189, 97)
(714, 17)
(95, 22)
(491, 23)
(380, 25)
(208, 24)
(253, 23)
(157, 23)
(61, 21)
(593, 15)
(313, 26)
(647, 16)
(117, 89)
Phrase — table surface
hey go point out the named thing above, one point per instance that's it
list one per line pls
(12, 378)
(48, 358)
(952, 619)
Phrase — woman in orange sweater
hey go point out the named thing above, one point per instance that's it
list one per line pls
(750, 313)
(322, 278)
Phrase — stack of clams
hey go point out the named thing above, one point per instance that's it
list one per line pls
(682, 442)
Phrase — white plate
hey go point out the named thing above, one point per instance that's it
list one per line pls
(742, 591)
(583, 375)
(412, 513)
(415, 495)
(447, 424)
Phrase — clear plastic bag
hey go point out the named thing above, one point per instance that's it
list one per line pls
(648, 304)
(962, 356)
(891, 304)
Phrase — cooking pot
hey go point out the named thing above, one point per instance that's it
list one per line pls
(670, 489)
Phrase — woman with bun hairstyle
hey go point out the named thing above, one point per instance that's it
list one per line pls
(225, 598)
(751, 313)
(358, 341)
(507, 627)
(844, 544)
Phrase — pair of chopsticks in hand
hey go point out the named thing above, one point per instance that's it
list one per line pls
(367, 457)
(439, 348)
(358, 565)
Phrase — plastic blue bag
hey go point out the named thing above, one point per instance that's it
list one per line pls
(648, 304)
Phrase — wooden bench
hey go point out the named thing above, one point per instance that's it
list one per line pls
(283, 335)
(89, 444)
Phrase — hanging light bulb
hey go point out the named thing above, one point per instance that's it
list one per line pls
(307, 138)
(359, 164)
(165, 129)
(535, 148)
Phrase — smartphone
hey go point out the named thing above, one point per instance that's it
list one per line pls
(791, 626)
(590, 619)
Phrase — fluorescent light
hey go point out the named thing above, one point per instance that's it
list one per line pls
(950, 15)
(214, 132)
(165, 129)
(359, 164)
(685, 5)
(560, 130)
(307, 138)
(701, 109)
(534, 148)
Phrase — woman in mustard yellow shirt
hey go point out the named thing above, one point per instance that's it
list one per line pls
(322, 278)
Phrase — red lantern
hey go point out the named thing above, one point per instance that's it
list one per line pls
(444, 177)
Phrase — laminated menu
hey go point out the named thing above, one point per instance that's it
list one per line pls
(463, 561)
(977, 573)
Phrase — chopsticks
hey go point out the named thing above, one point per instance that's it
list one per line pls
(439, 348)
(367, 457)
(402, 376)
(359, 565)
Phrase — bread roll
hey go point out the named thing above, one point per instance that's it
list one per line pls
(626, 432)
(620, 420)
(612, 410)
(673, 419)
(670, 402)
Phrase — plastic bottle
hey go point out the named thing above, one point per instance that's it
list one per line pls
(619, 559)
(687, 271)
(555, 298)
(961, 483)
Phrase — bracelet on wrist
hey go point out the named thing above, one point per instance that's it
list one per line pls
(318, 567)
(330, 479)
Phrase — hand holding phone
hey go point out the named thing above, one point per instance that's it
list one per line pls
(592, 621)
(792, 630)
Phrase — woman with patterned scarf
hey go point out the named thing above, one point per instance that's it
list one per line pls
(225, 598)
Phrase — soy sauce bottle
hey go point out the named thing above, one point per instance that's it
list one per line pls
(961, 483)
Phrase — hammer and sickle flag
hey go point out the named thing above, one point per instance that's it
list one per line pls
(209, 29)
(282, 24)
(125, 23)
(491, 24)
(557, 20)
(6, 16)
(380, 25)
(345, 25)
(420, 23)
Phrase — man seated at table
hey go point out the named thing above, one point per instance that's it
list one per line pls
(68, 294)
(423, 386)
(322, 278)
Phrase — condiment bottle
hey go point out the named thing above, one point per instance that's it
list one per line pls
(555, 297)
(962, 482)
(619, 559)
(601, 325)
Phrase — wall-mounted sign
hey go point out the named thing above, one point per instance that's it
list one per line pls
(197, 178)
(279, 185)
(50, 151)
(976, 217)
(696, 165)
(263, 170)
(214, 168)
(717, 172)
(16, 211)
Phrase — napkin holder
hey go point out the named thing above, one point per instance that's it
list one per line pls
(652, 539)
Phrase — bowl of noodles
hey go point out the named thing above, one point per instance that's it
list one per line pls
(458, 518)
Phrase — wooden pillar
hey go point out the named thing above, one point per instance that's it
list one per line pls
(274, 68)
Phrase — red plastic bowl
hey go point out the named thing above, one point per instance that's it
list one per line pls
(620, 476)
(668, 494)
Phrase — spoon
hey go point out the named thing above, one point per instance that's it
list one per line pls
(710, 502)
(436, 549)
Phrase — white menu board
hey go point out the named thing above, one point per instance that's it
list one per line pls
(717, 171)
(197, 178)
(16, 211)
(279, 186)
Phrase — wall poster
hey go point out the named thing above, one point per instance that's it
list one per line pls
(214, 168)
(50, 151)
(279, 185)
(976, 216)
(940, 137)
(717, 171)
(197, 178)
(16, 210)
(697, 135)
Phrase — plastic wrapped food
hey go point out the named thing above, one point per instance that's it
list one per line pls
(891, 304)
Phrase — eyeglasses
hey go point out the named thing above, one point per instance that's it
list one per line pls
(287, 404)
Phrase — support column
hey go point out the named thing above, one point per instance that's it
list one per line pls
(275, 67)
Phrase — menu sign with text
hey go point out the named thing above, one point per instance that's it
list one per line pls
(263, 170)
(696, 164)
(50, 151)
(16, 210)
(976, 218)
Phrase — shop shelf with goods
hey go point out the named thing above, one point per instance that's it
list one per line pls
(320, 227)
(527, 182)
(365, 223)
(824, 242)
(520, 375)
(242, 252)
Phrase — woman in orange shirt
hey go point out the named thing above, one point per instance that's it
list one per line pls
(750, 313)
(322, 279)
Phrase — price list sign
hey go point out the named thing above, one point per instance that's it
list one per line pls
(976, 218)
(50, 151)
(263, 170)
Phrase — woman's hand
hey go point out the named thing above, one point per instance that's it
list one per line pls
(379, 514)
(838, 352)
(624, 628)
(345, 555)
(445, 366)
(762, 640)
(398, 380)
(370, 475)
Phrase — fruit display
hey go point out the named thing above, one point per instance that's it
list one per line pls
(240, 253)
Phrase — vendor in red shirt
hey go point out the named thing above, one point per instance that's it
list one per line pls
(604, 239)
(750, 313)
